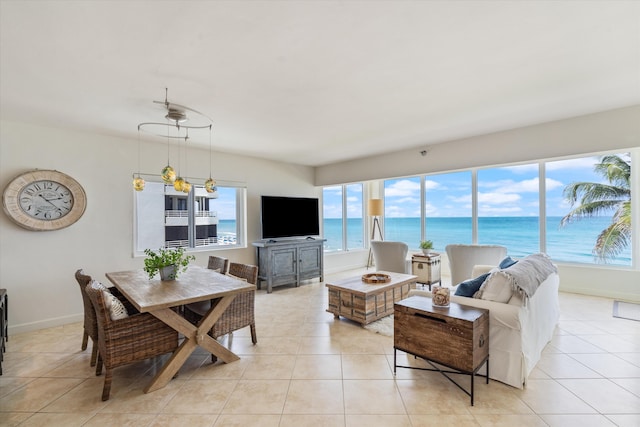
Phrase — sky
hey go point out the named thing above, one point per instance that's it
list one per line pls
(502, 191)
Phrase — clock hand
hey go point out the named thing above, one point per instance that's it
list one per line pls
(50, 202)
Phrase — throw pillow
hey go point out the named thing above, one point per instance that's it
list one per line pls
(97, 285)
(507, 262)
(471, 286)
(117, 310)
(497, 288)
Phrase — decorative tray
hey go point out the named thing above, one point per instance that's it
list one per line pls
(376, 278)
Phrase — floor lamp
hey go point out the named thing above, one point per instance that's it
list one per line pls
(374, 208)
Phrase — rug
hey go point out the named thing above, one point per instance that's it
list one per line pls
(383, 326)
(626, 310)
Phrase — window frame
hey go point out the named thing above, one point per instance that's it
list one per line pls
(240, 219)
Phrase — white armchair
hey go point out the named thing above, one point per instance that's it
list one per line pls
(462, 259)
(391, 256)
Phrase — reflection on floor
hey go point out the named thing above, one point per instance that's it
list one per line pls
(309, 369)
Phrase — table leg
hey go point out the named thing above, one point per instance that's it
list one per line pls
(193, 336)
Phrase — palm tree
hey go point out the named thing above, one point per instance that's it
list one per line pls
(597, 199)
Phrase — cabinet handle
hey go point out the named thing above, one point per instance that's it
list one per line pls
(425, 316)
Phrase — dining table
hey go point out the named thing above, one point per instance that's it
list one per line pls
(163, 298)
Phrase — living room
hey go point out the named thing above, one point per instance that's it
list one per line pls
(37, 268)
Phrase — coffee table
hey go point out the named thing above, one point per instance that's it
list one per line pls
(364, 303)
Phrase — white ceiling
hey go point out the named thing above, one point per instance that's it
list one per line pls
(317, 82)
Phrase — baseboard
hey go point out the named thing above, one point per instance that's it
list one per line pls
(44, 324)
(601, 292)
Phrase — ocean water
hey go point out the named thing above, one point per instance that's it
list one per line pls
(573, 243)
(520, 235)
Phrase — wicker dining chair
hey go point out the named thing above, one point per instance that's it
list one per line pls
(90, 325)
(239, 314)
(121, 342)
(218, 263)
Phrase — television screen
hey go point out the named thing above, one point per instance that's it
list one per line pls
(289, 217)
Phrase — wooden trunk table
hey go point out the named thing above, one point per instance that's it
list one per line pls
(456, 337)
(366, 302)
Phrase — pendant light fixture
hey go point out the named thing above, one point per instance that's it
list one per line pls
(138, 182)
(210, 184)
(176, 116)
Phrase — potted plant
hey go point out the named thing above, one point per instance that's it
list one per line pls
(169, 262)
(426, 246)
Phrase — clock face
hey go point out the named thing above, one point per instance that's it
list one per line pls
(44, 200)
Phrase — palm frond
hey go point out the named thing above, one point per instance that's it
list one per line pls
(595, 199)
(611, 241)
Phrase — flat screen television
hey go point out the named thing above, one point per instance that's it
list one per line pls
(289, 217)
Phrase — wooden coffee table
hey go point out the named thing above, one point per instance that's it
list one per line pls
(364, 302)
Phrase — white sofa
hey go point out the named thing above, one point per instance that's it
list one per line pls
(518, 331)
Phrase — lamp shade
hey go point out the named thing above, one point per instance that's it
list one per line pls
(375, 207)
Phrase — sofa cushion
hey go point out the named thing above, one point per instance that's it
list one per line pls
(497, 287)
(471, 286)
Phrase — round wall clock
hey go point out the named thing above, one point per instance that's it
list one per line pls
(44, 200)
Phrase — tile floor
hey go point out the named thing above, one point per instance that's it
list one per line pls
(310, 369)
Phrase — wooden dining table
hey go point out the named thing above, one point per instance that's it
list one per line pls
(160, 297)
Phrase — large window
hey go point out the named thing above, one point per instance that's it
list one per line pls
(402, 210)
(509, 208)
(445, 207)
(165, 217)
(343, 226)
(448, 209)
(588, 211)
(585, 204)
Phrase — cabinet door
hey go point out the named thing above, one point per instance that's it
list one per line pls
(285, 264)
(310, 261)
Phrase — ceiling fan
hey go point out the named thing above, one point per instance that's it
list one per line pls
(177, 113)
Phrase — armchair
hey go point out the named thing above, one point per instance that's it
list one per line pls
(462, 259)
(391, 256)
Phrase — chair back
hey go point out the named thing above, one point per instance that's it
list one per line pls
(218, 263)
(244, 271)
(90, 322)
(462, 259)
(390, 256)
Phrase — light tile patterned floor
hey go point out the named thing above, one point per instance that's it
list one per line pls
(310, 369)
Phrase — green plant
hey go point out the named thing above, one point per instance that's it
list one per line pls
(164, 257)
(426, 244)
(595, 198)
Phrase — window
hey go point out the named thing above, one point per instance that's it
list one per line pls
(509, 208)
(448, 209)
(402, 210)
(165, 217)
(343, 225)
(573, 235)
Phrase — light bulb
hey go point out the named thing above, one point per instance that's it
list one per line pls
(138, 184)
(168, 175)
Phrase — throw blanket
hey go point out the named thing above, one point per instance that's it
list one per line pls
(527, 274)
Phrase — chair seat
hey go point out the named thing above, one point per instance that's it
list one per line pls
(199, 308)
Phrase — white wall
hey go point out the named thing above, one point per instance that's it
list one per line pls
(611, 130)
(37, 268)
